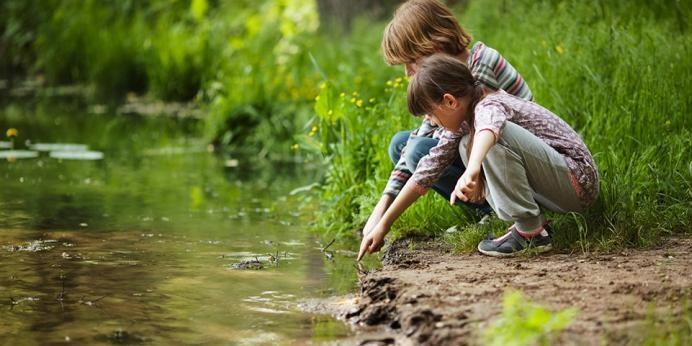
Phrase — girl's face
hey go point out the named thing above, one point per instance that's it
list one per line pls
(451, 112)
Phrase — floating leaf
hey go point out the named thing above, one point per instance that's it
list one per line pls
(59, 147)
(18, 154)
(77, 155)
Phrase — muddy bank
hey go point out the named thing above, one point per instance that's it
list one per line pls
(425, 294)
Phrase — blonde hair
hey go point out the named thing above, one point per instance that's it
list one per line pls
(441, 74)
(421, 28)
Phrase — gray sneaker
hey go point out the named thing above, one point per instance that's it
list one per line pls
(513, 243)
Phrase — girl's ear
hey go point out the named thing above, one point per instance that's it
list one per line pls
(450, 101)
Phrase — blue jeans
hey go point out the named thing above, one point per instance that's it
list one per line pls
(419, 147)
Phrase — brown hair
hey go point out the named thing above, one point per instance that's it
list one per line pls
(421, 28)
(442, 74)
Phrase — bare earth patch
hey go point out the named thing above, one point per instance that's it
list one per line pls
(425, 294)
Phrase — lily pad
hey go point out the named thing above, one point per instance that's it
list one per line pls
(59, 147)
(18, 154)
(77, 155)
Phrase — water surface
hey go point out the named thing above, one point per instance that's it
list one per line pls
(137, 247)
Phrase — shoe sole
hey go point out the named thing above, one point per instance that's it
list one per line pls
(536, 249)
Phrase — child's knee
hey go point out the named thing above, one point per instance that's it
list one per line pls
(415, 150)
(396, 144)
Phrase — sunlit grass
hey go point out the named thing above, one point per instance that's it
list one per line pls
(613, 70)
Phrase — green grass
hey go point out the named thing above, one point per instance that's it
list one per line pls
(613, 70)
(674, 329)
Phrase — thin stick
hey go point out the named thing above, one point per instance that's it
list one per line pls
(328, 245)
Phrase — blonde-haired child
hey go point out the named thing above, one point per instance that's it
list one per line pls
(519, 156)
(427, 157)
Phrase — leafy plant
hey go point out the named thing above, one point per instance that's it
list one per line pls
(524, 323)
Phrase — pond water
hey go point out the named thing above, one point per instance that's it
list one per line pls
(138, 247)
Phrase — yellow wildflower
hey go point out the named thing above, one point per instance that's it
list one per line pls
(560, 49)
(12, 132)
(317, 98)
(359, 103)
(353, 100)
(389, 83)
(294, 147)
(342, 94)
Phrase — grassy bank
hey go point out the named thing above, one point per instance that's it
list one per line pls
(614, 70)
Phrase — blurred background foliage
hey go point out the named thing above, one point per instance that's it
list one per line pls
(251, 64)
(290, 78)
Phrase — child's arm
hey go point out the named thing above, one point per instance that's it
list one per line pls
(482, 142)
(397, 179)
(374, 240)
(377, 213)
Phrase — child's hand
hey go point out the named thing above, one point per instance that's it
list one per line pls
(372, 242)
(465, 185)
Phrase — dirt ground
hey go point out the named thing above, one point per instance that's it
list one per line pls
(425, 294)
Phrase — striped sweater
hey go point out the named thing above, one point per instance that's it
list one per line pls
(494, 72)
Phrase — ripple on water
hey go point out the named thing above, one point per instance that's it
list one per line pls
(271, 302)
(33, 246)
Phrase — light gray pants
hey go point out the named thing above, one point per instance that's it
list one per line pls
(523, 174)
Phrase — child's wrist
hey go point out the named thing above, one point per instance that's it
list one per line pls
(474, 166)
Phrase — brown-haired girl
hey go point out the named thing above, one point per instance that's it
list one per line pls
(427, 157)
(519, 156)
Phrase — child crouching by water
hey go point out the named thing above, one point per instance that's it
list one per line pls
(519, 156)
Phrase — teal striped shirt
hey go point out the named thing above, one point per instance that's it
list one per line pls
(495, 72)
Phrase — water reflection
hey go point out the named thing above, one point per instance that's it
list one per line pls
(139, 246)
